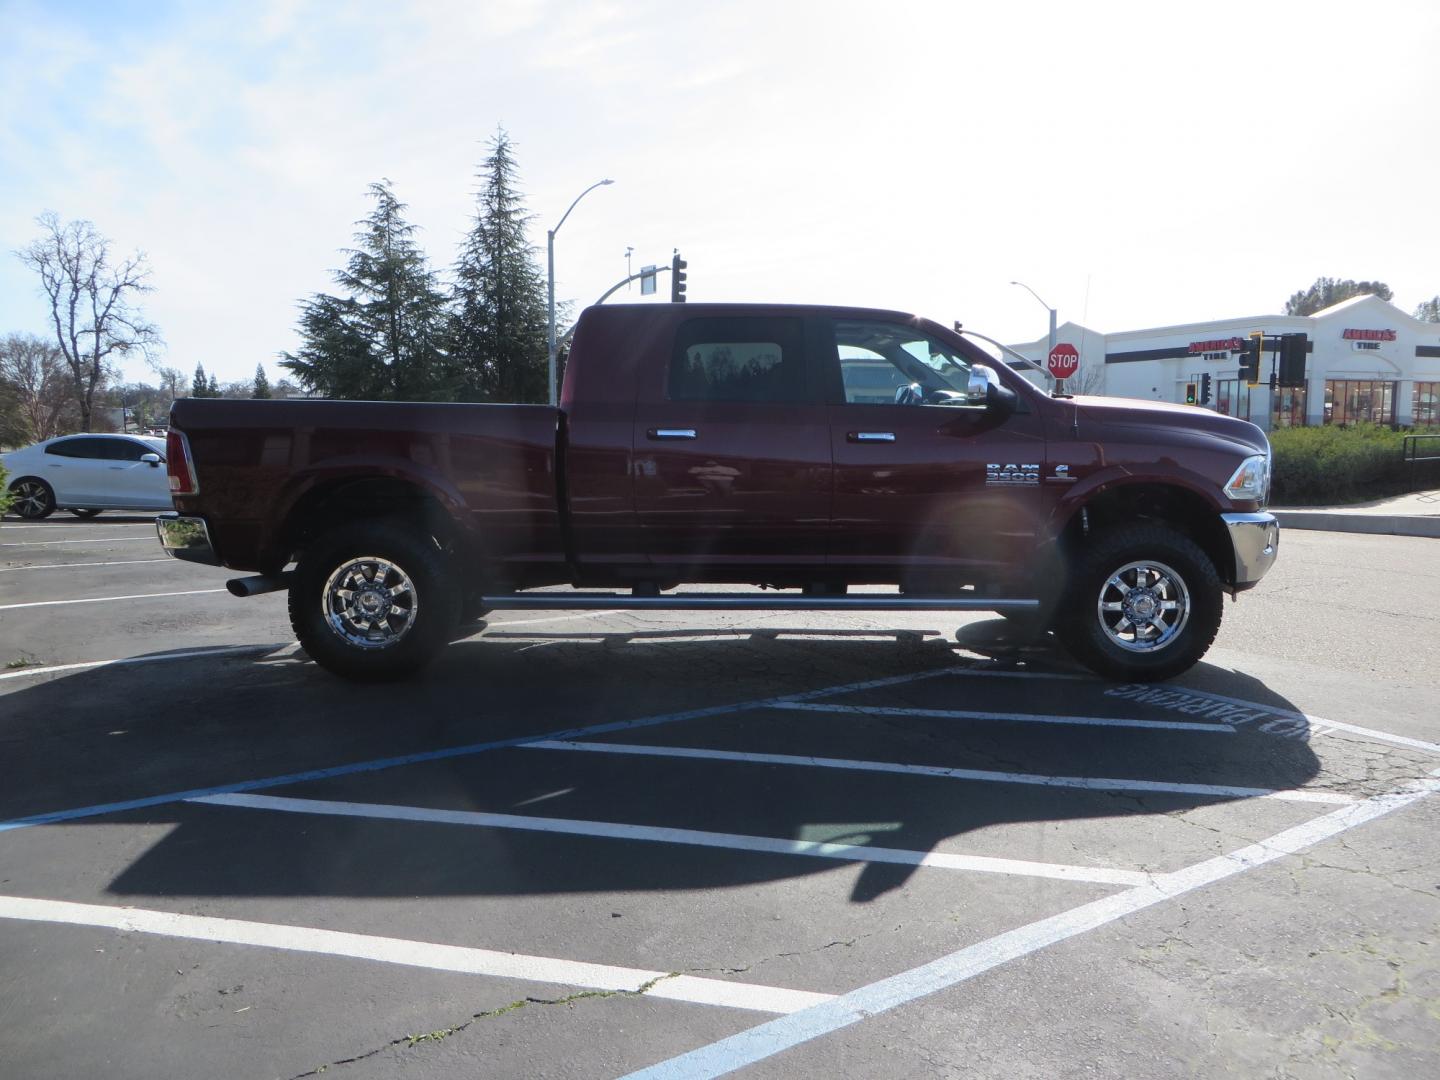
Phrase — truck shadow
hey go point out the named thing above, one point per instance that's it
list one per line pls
(103, 736)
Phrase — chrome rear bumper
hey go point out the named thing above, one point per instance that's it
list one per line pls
(1256, 540)
(186, 538)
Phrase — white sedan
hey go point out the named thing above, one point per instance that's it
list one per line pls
(88, 473)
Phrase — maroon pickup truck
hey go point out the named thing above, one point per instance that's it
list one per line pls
(807, 450)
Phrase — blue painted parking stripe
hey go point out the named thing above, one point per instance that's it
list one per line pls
(424, 756)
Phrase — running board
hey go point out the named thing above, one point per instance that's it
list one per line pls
(759, 601)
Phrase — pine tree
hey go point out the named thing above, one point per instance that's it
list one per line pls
(1327, 292)
(262, 383)
(1429, 311)
(383, 340)
(213, 390)
(201, 384)
(498, 334)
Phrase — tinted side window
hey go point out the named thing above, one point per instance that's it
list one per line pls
(125, 450)
(737, 359)
(78, 448)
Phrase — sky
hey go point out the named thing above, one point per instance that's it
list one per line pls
(1136, 164)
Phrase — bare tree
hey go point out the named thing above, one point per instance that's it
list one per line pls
(1090, 379)
(91, 302)
(36, 369)
(172, 380)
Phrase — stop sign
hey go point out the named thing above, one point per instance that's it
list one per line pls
(1064, 360)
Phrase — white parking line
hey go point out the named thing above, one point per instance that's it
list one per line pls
(771, 1038)
(104, 599)
(1084, 783)
(95, 540)
(418, 954)
(66, 526)
(659, 834)
(1029, 718)
(81, 565)
(188, 654)
(77, 813)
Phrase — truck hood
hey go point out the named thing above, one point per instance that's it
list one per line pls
(1162, 418)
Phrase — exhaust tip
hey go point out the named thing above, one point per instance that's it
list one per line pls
(255, 586)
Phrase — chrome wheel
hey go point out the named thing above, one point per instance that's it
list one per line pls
(370, 602)
(1143, 606)
(32, 498)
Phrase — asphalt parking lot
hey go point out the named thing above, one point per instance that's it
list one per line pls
(604, 845)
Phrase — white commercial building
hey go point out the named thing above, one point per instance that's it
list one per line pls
(1367, 361)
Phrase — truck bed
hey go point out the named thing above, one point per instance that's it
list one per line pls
(492, 467)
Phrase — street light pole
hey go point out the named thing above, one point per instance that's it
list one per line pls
(1048, 308)
(550, 256)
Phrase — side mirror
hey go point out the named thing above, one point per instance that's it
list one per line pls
(986, 391)
(153, 460)
(982, 379)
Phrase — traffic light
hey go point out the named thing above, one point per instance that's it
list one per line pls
(677, 279)
(1250, 358)
(1205, 389)
(1292, 359)
(1189, 393)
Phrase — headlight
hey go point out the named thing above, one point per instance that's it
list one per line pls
(1251, 480)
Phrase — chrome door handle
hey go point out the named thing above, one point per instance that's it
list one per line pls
(871, 436)
(670, 433)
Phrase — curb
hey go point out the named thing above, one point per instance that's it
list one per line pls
(1379, 524)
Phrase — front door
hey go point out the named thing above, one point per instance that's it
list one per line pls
(927, 490)
(130, 482)
(732, 451)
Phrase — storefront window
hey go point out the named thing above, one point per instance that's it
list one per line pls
(1232, 398)
(1426, 404)
(1289, 407)
(1359, 402)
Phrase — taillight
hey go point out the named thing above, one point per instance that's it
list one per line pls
(179, 464)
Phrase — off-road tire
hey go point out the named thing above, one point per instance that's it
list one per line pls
(417, 561)
(1082, 625)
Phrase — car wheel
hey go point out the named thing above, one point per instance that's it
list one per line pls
(373, 601)
(84, 514)
(33, 498)
(1144, 604)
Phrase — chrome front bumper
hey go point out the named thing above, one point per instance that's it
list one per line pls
(186, 538)
(1256, 540)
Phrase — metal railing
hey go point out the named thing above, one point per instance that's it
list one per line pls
(1421, 455)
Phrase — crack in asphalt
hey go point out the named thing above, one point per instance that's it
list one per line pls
(409, 1041)
(741, 969)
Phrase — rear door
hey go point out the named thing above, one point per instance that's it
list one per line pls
(77, 468)
(732, 449)
(929, 492)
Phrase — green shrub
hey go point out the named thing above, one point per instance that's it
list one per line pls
(5, 496)
(1324, 465)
